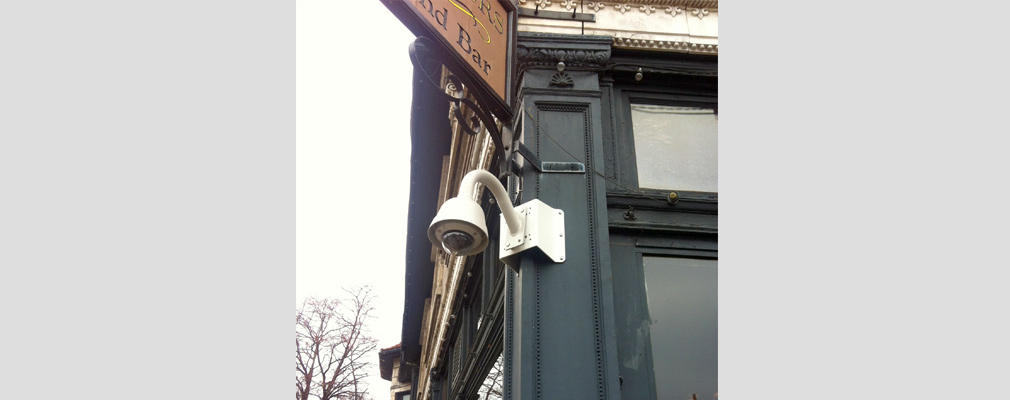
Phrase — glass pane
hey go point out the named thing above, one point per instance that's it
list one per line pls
(683, 308)
(676, 147)
(492, 387)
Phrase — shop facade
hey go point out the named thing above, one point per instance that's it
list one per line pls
(614, 121)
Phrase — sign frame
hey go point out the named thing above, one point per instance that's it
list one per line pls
(486, 96)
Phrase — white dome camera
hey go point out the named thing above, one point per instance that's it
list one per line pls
(459, 227)
(459, 224)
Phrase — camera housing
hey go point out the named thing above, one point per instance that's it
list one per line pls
(459, 227)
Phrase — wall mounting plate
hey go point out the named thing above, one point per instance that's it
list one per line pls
(543, 228)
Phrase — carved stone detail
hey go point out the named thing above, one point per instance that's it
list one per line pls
(698, 37)
(539, 3)
(545, 50)
(646, 6)
(700, 12)
(562, 79)
(666, 45)
(534, 57)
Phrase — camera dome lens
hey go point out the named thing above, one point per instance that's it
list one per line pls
(457, 240)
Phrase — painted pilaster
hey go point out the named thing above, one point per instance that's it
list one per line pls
(560, 340)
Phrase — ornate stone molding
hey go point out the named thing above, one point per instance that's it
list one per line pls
(689, 26)
(629, 43)
(700, 12)
(544, 50)
(562, 79)
(648, 7)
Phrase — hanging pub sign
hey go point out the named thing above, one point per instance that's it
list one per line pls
(479, 34)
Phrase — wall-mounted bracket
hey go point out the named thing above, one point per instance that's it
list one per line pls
(543, 228)
(426, 56)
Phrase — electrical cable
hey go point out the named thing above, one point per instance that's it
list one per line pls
(598, 173)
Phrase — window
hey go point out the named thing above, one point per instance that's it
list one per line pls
(668, 332)
(403, 396)
(682, 300)
(457, 358)
(676, 147)
(493, 386)
(662, 164)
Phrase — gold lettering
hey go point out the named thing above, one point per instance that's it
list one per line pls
(485, 35)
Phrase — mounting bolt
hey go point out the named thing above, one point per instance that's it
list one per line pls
(673, 198)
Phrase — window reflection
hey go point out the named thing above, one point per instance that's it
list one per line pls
(493, 385)
(682, 298)
(676, 148)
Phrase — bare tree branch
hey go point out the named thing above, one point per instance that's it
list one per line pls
(492, 387)
(332, 346)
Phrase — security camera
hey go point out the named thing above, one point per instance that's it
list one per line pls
(459, 224)
(459, 227)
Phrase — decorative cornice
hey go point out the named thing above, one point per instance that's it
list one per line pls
(544, 50)
(687, 47)
(700, 12)
(531, 57)
(646, 6)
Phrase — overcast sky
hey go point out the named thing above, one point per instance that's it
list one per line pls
(353, 148)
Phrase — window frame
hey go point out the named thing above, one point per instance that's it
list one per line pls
(624, 161)
(648, 222)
